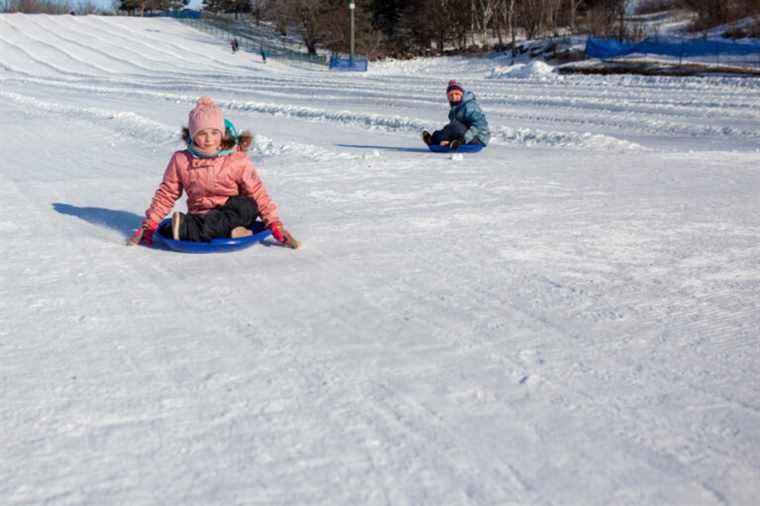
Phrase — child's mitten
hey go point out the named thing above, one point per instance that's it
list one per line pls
(283, 236)
(144, 234)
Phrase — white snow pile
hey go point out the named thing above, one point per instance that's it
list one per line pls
(127, 123)
(568, 140)
(432, 66)
(536, 70)
(264, 146)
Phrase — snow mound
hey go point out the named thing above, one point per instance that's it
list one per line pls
(364, 120)
(264, 147)
(433, 66)
(127, 123)
(534, 70)
(572, 140)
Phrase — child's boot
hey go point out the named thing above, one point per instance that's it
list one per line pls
(427, 138)
(239, 232)
(176, 225)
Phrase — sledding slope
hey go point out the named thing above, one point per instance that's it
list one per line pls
(568, 317)
(107, 47)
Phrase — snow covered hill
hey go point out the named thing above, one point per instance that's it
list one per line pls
(569, 317)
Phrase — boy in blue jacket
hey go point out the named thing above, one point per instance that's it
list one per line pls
(467, 123)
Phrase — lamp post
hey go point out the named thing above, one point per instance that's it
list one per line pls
(351, 7)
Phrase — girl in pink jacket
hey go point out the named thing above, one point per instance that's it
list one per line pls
(225, 196)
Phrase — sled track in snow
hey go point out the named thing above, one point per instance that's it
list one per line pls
(395, 123)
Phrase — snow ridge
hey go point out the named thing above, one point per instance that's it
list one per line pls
(125, 122)
(145, 130)
(573, 140)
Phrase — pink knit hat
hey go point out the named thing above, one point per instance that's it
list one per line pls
(205, 115)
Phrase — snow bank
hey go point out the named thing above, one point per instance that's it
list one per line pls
(567, 140)
(127, 123)
(263, 146)
(536, 70)
(446, 67)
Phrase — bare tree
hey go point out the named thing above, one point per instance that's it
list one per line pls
(439, 21)
(321, 23)
(603, 17)
(552, 8)
(37, 6)
(505, 17)
(715, 12)
(574, 6)
(530, 15)
(306, 15)
(484, 12)
(86, 7)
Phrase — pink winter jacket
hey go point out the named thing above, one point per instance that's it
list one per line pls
(209, 182)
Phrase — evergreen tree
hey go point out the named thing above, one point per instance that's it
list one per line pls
(130, 6)
(385, 15)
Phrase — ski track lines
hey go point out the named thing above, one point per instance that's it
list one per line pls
(664, 456)
(622, 123)
(628, 423)
(372, 407)
(595, 112)
(146, 130)
(177, 50)
(129, 123)
(589, 101)
(28, 56)
(125, 64)
(190, 62)
(581, 104)
(355, 407)
(523, 136)
(55, 53)
(479, 338)
(130, 50)
(390, 426)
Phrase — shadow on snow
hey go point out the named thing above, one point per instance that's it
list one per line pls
(121, 221)
(387, 148)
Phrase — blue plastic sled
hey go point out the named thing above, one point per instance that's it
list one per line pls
(215, 246)
(464, 148)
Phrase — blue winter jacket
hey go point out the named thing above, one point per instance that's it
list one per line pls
(468, 112)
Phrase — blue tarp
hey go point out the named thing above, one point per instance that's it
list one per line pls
(679, 48)
(358, 64)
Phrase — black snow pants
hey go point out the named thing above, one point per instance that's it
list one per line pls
(454, 130)
(238, 211)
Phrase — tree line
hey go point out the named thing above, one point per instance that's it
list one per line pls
(712, 13)
(140, 7)
(402, 28)
(49, 6)
(414, 27)
(406, 28)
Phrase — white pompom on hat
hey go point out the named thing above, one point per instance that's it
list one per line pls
(206, 114)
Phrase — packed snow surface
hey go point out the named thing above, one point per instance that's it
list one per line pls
(569, 317)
